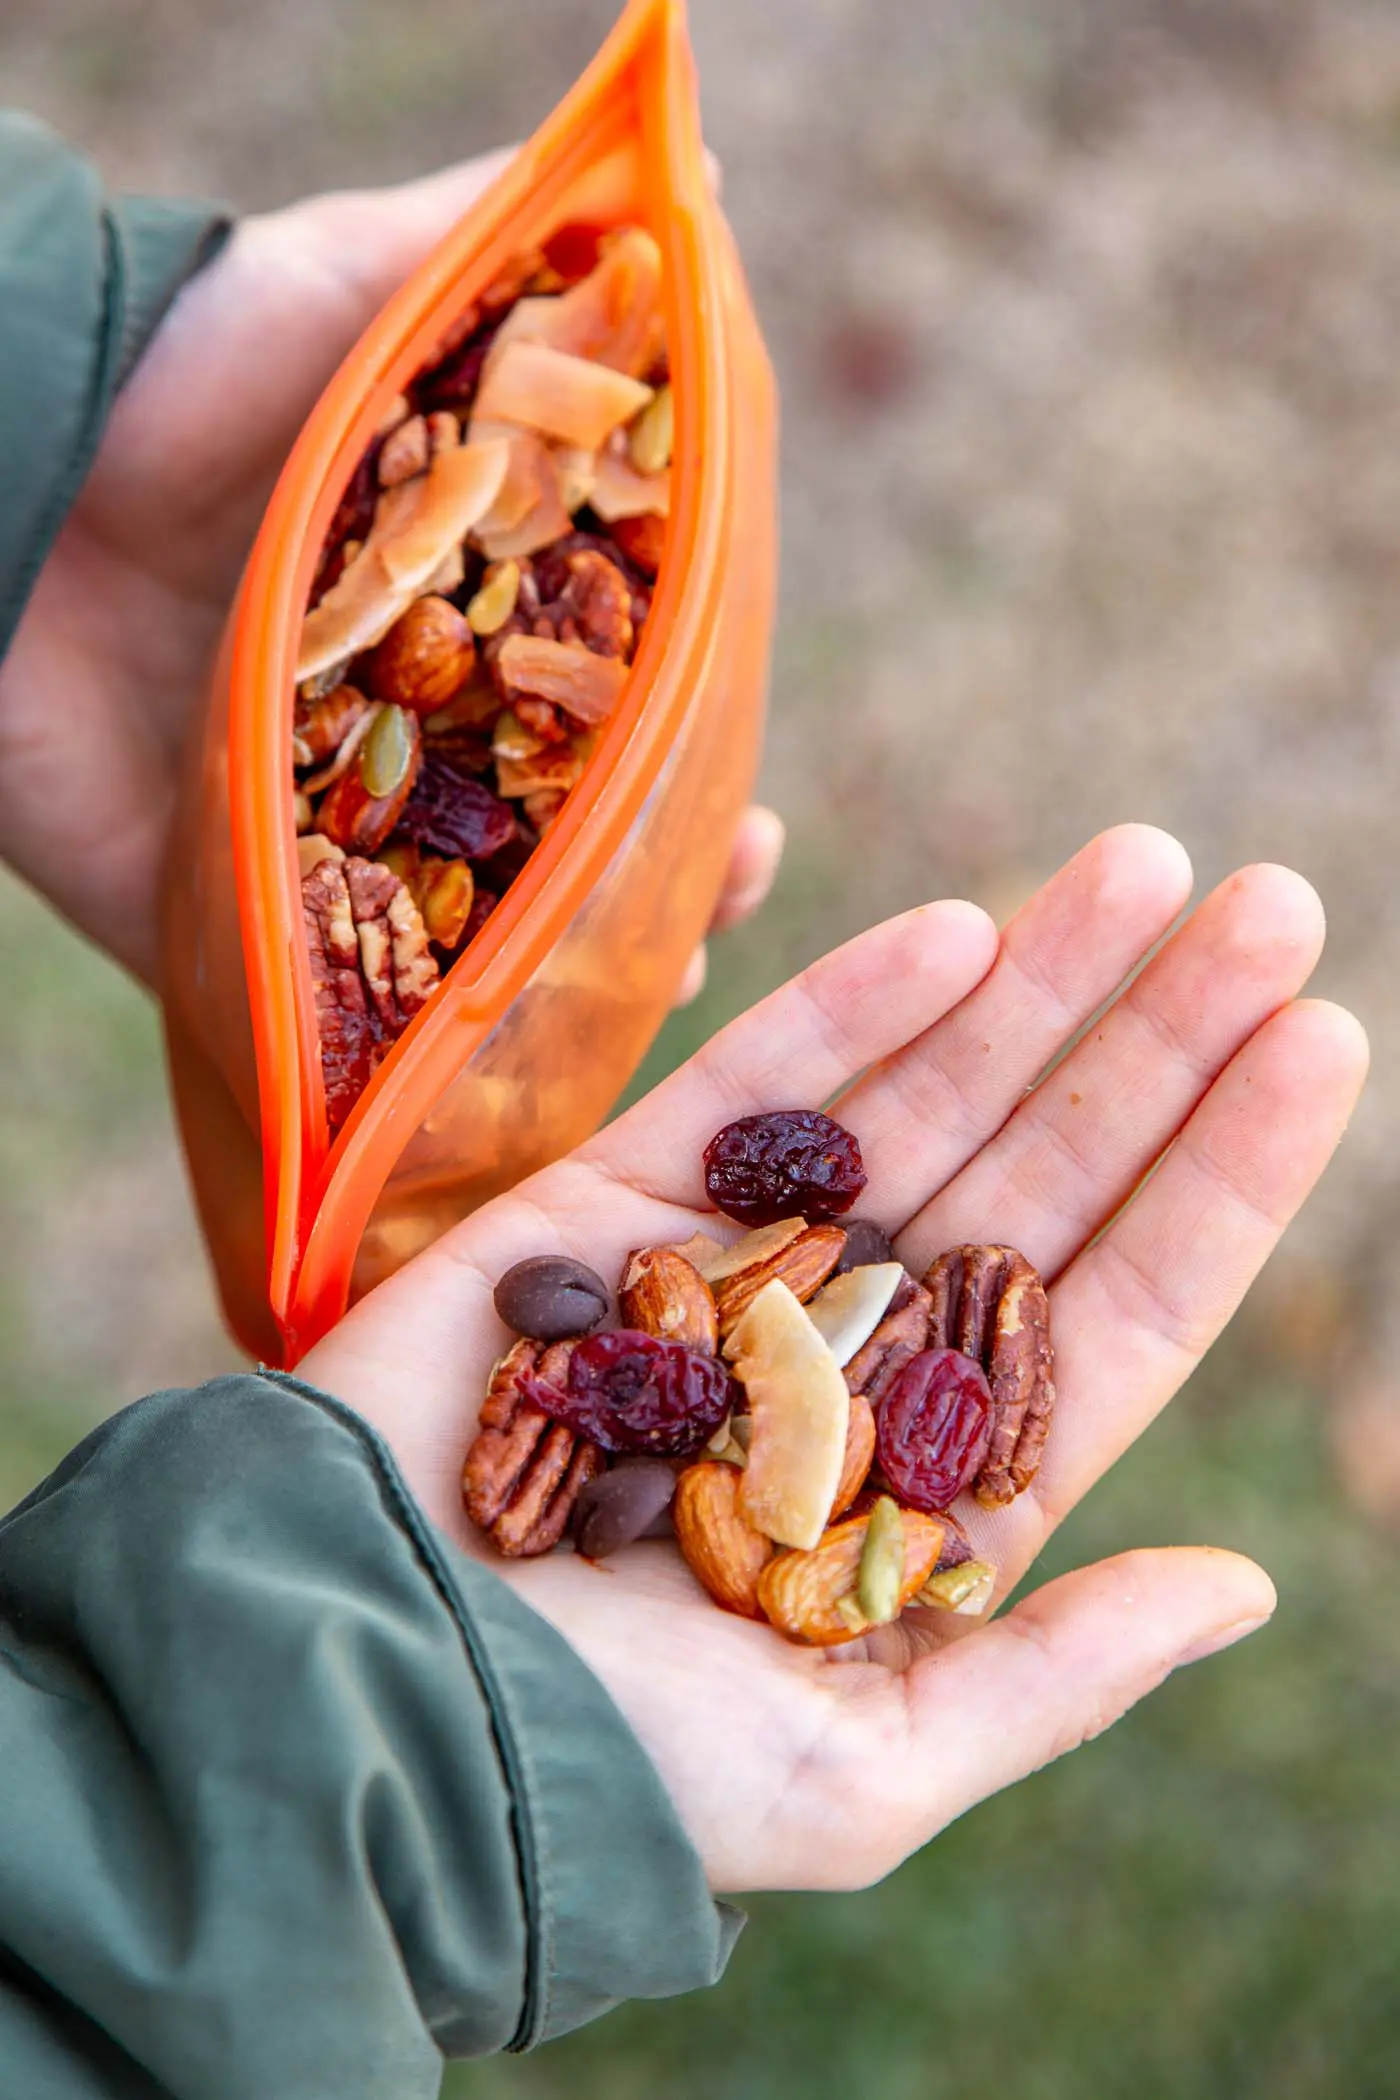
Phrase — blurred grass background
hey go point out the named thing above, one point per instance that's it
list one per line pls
(1086, 317)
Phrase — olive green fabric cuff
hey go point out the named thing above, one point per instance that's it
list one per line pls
(297, 1798)
(85, 279)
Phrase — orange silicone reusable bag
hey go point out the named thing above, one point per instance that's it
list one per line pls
(538, 1026)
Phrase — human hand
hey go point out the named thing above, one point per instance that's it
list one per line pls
(100, 685)
(795, 1767)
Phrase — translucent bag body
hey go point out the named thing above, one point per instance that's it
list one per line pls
(540, 1023)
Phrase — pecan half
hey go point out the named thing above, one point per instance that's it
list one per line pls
(578, 596)
(397, 963)
(371, 970)
(323, 721)
(901, 1335)
(523, 1472)
(989, 1303)
(342, 1010)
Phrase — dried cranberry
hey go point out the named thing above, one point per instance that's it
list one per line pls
(932, 1428)
(794, 1163)
(483, 904)
(453, 383)
(465, 749)
(630, 1392)
(573, 251)
(451, 813)
(353, 516)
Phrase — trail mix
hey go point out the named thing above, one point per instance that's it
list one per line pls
(795, 1408)
(478, 600)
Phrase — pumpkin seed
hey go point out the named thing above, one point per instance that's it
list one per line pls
(881, 1575)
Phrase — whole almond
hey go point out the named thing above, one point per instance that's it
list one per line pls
(715, 1262)
(803, 1265)
(665, 1295)
(860, 1451)
(726, 1554)
(803, 1593)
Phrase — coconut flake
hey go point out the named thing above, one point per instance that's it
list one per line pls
(613, 316)
(571, 398)
(567, 673)
(849, 1309)
(619, 491)
(415, 527)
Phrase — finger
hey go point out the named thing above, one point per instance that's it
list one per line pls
(375, 238)
(1056, 1672)
(1134, 1314)
(753, 867)
(1074, 1151)
(794, 1049)
(926, 1112)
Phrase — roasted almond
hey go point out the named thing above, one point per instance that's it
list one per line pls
(724, 1552)
(665, 1295)
(756, 1246)
(803, 1594)
(860, 1451)
(803, 1265)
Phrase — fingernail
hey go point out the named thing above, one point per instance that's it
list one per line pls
(1225, 1638)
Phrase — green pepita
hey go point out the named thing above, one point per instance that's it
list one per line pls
(652, 435)
(387, 752)
(495, 601)
(881, 1576)
(966, 1589)
(510, 738)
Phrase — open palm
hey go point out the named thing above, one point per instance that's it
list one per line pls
(110, 661)
(800, 1767)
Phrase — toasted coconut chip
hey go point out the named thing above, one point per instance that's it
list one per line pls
(527, 477)
(575, 470)
(565, 397)
(584, 685)
(415, 528)
(557, 766)
(612, 316)
(450, 572)
(546, 522)
(619, 491)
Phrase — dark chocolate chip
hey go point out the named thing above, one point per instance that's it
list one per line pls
(622, 1504)
(551, 1297)
(866, 1244)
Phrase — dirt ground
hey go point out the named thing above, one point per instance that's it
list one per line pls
(1086, 316)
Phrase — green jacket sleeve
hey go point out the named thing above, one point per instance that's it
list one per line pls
(297, 1799)
(84, 280)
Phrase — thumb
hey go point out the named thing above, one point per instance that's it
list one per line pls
(1069, 1662)
(375, 238)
